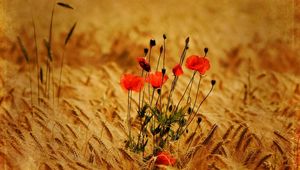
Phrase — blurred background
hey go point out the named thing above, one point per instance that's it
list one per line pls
(265, 30)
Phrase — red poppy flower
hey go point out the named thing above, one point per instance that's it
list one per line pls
(132, 82)
(177, 70)
(193, 63)
(143, 63)
(200, 64)
(204, 65)
(156, 79)
(164, 158)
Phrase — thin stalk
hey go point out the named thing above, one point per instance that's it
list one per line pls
(46, 75)
(148, 72)
(199, 107)
(197, 93)
(186, 90)
(183, 54)
(128, 116)
(30, 82)
(37, 60)
(61, 69)
(164, 53)
(171, 91)
(152, 96)
(161, 48)
(48, 79)
(63, 55)
(140, 93)
(50, 45)
(153, 120)
(53, 90)
(192, 138)
(189, 93)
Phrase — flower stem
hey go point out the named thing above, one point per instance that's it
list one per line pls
(140, 93)
(161, 48)
(197, 93)
(192, 138)
(171, 91)
(185, 90)
(128, 116)
(195, 113)
(60, 73)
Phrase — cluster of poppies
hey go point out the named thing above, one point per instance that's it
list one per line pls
(161, 118)
(131, 82)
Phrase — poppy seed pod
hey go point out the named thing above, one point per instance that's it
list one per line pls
(205, 50)
(187, 40)
(170, 108)
(158, 91)
(164, 36)
(161, 49)
(199, 120)
(189, 110)
(152, 43)
(163, 71)
(213, 82)
(145, 51)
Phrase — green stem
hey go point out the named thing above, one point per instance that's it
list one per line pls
(185, 90)
(199, 107)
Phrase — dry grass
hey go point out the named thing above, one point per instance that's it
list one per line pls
(249, 122)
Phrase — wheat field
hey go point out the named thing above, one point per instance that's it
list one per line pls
(250, 121)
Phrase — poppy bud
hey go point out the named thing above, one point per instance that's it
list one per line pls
(199, 120)
(167, 129)
(145, 51)
(157, 130)
(213, 82)
(158, 91)
(187, 40)
(163, 71)
(152, 43)
(144, 64)
(164, 36)
(205, 50)
(161, 49)
(189, 110)
(177, 70)
(170, 108)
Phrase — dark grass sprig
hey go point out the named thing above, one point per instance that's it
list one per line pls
(45, 77)
(67, 39)
(26, 56)
(37, 59)
(64, 5)
(41, 75)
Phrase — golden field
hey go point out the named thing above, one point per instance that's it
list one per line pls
(254, 108)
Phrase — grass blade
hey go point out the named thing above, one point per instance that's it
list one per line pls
(49, 52)
(65, 5)
(70, 33)
(24, 51)
(41, 74)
